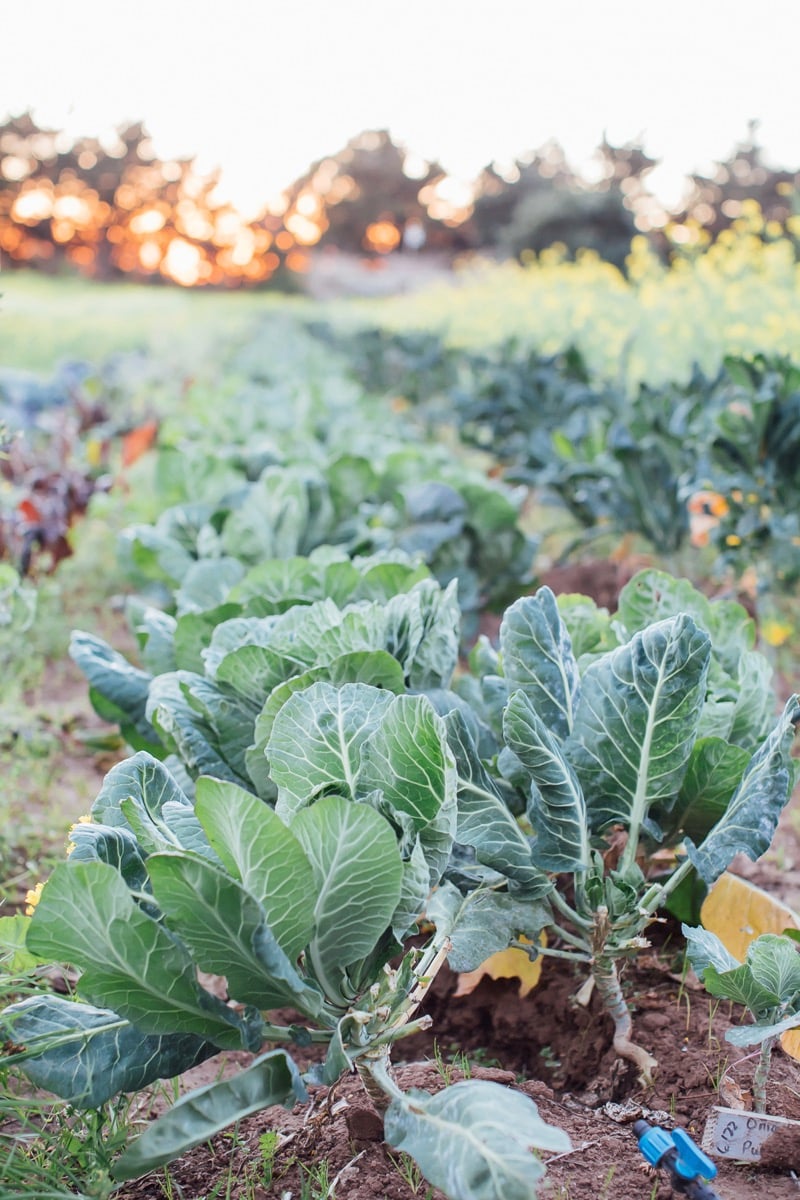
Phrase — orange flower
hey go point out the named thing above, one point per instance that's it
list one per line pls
(711, 504)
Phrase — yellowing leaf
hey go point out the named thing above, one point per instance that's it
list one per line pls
(506, 964)
(790, 1041)
(737, 912)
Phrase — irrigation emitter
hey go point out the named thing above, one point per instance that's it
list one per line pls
(685, 1163)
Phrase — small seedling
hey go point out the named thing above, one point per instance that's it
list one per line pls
(767, 983)
(411, 1175)
(268, 1147)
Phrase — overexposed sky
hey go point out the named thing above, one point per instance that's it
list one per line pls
(261, 88)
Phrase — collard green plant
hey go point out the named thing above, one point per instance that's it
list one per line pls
(219, 678)
(767, 983)
(622, 752)
(409, 498)
(303, 906)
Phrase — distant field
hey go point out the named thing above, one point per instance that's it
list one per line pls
(740, 296)
(44, 320)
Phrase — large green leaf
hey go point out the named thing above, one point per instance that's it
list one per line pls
(484, 821)
(740, 986)
(15, 957)
(751, 1035)
(142, 795)
(712, 776)
(297, 634)
(130, 963)
(277, 584)
(423, 632)
(362, 628)
(207, 583)
(271, 1079)
(474, 1139)
(483, 922)
(407, 759)
(724, 976)
(86, 1055)
(749, 822)
(272, 520)
(183, 729)
(237, 634)
(637, 720)
(316, 741)
(414, 892)
(118, 690)
(653, 595)
(358, 875)
(145, 780)
(383, 577)
(193, 634)
(704, 949)
(155, 633)
(374, 667)
(538, 658)
(755, 701)
(775, 964)
(226, 930)
(264, 855)
(557, 809)
(115, 846)
(590, 627)
(231, 717)
(166, 550)
(438, 837)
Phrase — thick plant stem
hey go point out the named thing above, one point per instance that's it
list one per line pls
(380, 1059)
(761, 1074)
(604, 971)
(376, 1063)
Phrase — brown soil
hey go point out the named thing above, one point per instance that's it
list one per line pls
(553, 1050)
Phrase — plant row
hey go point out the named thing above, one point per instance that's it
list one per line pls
(712, 461)
(319, 776)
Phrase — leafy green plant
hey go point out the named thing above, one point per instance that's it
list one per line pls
(222, 679)
(303, 906)
(767, 983)
(622, 751)
(749, 469)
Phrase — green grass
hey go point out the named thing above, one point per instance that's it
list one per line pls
(45, 319)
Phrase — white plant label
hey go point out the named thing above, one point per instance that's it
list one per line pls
(732, 1133)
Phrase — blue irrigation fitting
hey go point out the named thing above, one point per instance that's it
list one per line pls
(683, 1160)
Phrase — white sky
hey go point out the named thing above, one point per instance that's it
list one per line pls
(262, 88)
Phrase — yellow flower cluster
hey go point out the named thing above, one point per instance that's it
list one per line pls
(775, 632)
(32, 898)
(84, 819)
(742, 292)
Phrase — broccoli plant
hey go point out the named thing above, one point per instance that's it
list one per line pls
(616, 755)
(302, 906)
(767, 983)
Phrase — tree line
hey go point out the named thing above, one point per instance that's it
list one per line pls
(109, 207)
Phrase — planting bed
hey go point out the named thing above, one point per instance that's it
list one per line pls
(560, 1055)
(281, 605)
(557, 1052)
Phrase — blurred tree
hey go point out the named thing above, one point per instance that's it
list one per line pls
(362, 198)
(540, 200)
(715, 201)
(110, 207)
